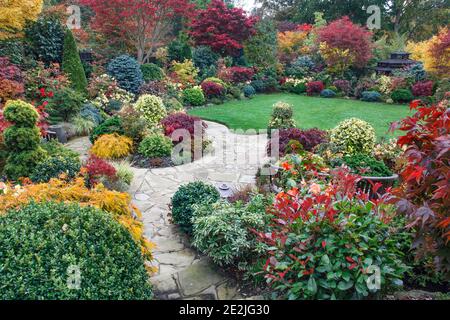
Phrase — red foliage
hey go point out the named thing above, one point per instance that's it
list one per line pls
(236, 75)
(221, 28)
(184, 121)
(440, 52)
(425, 192)
(308, 139)
(343, 34)
(212, 89)
(343, 85)
(97, 168)
(423, 89)
(314, 87)
(11, 81)
(140, 23)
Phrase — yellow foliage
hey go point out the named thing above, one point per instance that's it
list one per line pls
(186, 71)
(421, 51)
(337, 60)
(293, 42)
(115, 203)
(112, 146)
(15, 13)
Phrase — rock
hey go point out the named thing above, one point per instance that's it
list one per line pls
(181, 258)
(226, 291)
(141, 197)
(164, 244)
(173, 296)
(416, 295)
(164, 284)
(198, 277)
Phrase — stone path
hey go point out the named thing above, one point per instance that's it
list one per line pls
(183, 273)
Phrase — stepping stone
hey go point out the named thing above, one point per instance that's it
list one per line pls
(164, 284)
(181, 258)
(141, 197)
(198, 277)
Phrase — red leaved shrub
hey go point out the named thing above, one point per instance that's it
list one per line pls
(425, 192)
(97, 168)
(423, 89)
(308, 139)
(314, 87)
(236, 75)
(212, 89)
(343, 34)
(184, 121)
(344, 86)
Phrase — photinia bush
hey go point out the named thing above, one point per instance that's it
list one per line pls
(327, 240)
(425, 192)
(423, 89)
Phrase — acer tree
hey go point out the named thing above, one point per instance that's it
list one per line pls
(425, 193)
(222, 28)
(142, 23)
(15, 14)
(344, 35)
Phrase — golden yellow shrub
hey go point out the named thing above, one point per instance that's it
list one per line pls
(112, 146)
(15, 14)
(293, 42)
(116, 203)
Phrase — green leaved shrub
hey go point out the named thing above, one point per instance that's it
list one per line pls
(44, 247)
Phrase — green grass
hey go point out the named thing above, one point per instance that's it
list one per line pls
(309, 112)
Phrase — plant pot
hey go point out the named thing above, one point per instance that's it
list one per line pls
(386, 182)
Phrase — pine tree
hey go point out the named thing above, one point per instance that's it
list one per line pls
(72, 65)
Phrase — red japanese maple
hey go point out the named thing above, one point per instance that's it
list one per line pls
(221, 28)
(343, 34)
(425, 193)
(142, 23)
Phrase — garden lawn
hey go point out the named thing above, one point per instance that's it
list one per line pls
(309, 112)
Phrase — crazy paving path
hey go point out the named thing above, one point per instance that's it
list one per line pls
(182, 272)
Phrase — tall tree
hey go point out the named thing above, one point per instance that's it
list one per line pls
(144, 23)
(71, 64)
(14, 15)
(222, 28)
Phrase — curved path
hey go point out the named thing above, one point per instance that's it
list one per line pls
(182, 272)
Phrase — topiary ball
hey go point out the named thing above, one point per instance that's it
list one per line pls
(194, 97)
(402, 95)
(249, 91)
(55, 251)
(354, 136)
(127, 72)
(156, 146)
(183, 201)
(152, 72)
